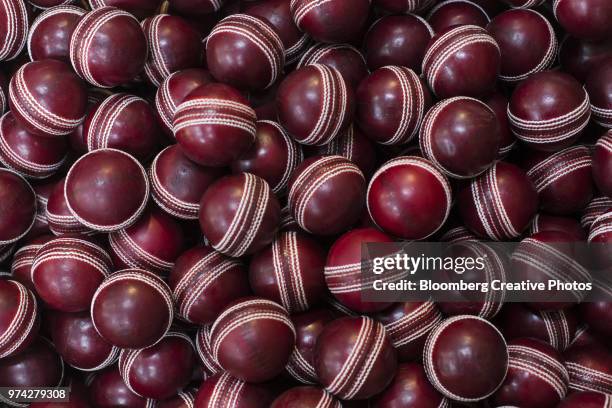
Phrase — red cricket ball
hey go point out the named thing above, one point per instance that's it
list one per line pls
(177, 183)
(417, 187)
(78, 343)
(466, 347)
(556, 327)
(174, 89)
(403, 6)
(77, 399)
(124, 122)
(461, 136)
(590, 369)
(245, 52)
(23, 258)
(47, 98)
(3, 92)
(407, 325)
(578, 57)
(108, 390)
(224, 390)
(50, 33)
(586, 19)
(347, 59)
(326, 194)
(159, 371)
(391, 103)
(334, 21)
(13, 28)
(462, 61)
(354, 358)
(108, 47)
(499, 103)
(536, 376)
(314, 103)
(399, 40)
(68, 270)
(60, 219)
(117, 181)
(214, 125)
(599, 89)
(567, 225)
(527, 43)
(598, 316)
(585, 399)
(308, 327)
(173, 45)
(18, 318)
(597, 207)
(602, 164)
(600, 236)
(273, 157)
(300, 397)
(450, 13)
(30, 155)
(523, 3)
(139, 8)
(239, 215)
(184, 399)
(204, 282)
(152, 243)
(17, 206)
(410, 389)
(548, 110)
(252, 339)
(209, 365)
(43, 190)
(132, 309)
(503, 189)
(45, 4)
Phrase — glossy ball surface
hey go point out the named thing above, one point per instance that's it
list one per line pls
(299, 397)
(50, 33)
(60, 219)
(220, 390)
(597, 207)
(18, 206)
(139, 8)
(602, 164)
(21, 266)
(585, 399)
(18, 318)
(403, 6)
(587, 19)
(347, 59)
(567, 225)
(600, 91)
(578, 57)
(499, 103)
(108, 390)
(450, 13)
(14, 23)
(600, 236)
(590, 369)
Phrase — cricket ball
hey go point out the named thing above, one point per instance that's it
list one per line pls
(79, 344)
(403, 6)
(556, 327)
(290, 272)
(391, 103)
(567, 225)
(602, 164)
(152, 243)
(117, 181)
(17, 206)
(107, 390)
(536, 376)
(43, 190)
(177, 183)
(60, 219)
(299, 397)
(335, 21)
(139, 8)
(68, 270)
(204, 282)
(460, 136)
(597, 315)
(600, 93)
(214, 125)
(308, 327)
(586, 399)
(50, 33)
(18, 318)
(462, 61)
(597, 207)
(202, 343)
(108, 47)
(3, 92)
(314, 103)
(415, 186)
(196, 7)
(585, 19)
(132, 309)
(527, 43)
(410, 389)
(397, 40)
(549, 110)
(273, 156)
(354, 358)
(159, 371)
(239, 215)
(499, 103)
(523, 3)
(252, 339)
(184, 399)
(590, 369)
(47, 98)
(344, 57)
(23, 258)
(600, 236)
(451, 13)
(503, 189)
(462, 347)
(32, 156)
(407, 325)
(173, 45)
(326, 194)
(578, 57)
(245, 51)
(278, 14)
(14, 23)
(223, 390)
(563, 179)
(123, 122)
(174, 89)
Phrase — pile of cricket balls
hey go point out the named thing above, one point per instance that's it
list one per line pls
(186, 185)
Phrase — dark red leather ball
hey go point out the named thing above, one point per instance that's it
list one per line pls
(586, 19)
(18, 318)
(585, 399)
(60, 219)
(108, 390)
(453, 13)
(299, 397)
(50, 33)
(599, 89)
(589, 368)
(139, 8)
(18, 206)
(347, 59)
(220, 390)
(14, 23)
